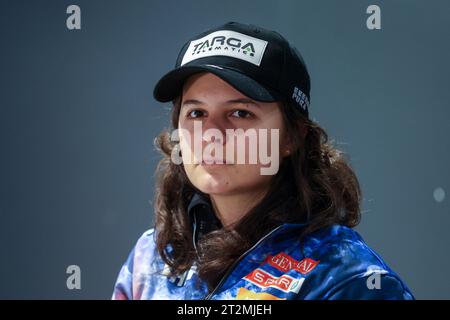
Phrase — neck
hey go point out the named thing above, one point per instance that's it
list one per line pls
(231, 208)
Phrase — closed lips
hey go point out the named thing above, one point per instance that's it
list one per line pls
(213, 161)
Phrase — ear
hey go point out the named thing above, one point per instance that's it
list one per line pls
(287, 147)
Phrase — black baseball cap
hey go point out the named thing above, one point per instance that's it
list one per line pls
(259, 63)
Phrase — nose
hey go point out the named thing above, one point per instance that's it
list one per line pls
(214, 130)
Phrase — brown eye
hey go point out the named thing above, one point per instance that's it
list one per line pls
(195, 114)
(241, 114)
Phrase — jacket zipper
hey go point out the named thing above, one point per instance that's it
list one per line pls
(194, 242)
(235, 263)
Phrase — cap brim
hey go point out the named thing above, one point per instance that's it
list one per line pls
(170, 85)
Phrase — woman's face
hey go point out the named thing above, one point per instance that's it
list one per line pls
(231, 162)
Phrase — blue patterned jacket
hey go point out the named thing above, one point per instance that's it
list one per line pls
(333, 263)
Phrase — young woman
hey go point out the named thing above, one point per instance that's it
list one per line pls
(252, 201)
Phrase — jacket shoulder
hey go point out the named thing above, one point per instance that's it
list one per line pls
(349, 268)
(139, 263)
(342, 246)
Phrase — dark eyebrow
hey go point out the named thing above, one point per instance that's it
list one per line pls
(233, 101)
(243, 101)
(192, 101)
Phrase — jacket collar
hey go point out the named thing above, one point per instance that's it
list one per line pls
(204, 220)
(202, 216)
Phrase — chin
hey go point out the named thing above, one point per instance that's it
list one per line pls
(213, 187)
(213, 183)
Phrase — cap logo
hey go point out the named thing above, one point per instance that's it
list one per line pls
(300, 98)
(226, 43)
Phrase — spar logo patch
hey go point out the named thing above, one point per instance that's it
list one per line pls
(226, 43)
(284, 263)
(264, 280)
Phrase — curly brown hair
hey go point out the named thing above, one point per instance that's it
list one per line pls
(315, 183)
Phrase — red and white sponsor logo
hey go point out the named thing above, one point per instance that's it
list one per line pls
(284, 283)
(284, 263)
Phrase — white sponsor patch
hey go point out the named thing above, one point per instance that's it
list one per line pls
(226, 43)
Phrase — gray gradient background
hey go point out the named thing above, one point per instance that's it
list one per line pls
(77, 123)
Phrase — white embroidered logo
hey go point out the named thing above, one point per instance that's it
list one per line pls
(300, 98)
(226, 43)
